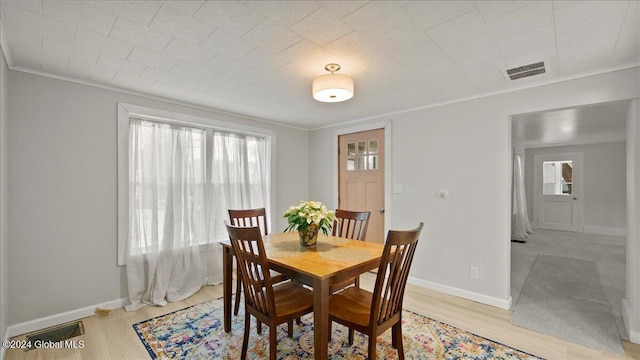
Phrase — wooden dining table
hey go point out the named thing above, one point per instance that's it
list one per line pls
(331, 261)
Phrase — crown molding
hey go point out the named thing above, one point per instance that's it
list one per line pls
(11, 66)
(484, 95)
(151, 96)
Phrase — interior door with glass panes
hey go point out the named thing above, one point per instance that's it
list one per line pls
(361, 178)
(557, 183)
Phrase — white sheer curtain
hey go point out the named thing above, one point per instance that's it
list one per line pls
(238, 177)
(166, 212)
(520, 225)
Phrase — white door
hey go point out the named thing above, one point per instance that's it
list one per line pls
(558, 191)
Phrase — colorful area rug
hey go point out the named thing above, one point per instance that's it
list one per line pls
(197, 332)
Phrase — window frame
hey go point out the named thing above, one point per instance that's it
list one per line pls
(127, 111)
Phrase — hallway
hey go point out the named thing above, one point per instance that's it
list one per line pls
(607, 251)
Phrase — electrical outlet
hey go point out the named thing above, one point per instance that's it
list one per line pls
(474, 272)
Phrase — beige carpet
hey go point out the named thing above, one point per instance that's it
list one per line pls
(608, 252)
(564, 297)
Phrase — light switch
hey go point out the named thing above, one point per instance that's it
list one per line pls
(398, 188)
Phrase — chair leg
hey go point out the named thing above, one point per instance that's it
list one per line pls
(259, 327)
(397, 336)
(245, 339)
(273, 331)
(357, 282)
(372, 347)
(290, 328)
(394, 339)
(330, 329)
(350, 336)
(236, 306)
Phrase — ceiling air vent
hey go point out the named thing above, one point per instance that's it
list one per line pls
(526, 71)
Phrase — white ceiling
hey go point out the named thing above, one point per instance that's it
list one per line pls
(258, 58)
(599, 123)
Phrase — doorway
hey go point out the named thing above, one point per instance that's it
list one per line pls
(388, 200)
(563, 147)
(361, 174)
(557, 200)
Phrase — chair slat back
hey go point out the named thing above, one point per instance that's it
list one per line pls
(252, 262)
(393, 273)
(351, 224)
(250, 217)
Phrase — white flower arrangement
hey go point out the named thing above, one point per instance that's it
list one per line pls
(307, 213)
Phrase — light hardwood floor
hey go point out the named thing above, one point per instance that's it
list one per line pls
(113, 337)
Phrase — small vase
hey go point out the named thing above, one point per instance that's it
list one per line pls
(309, 236)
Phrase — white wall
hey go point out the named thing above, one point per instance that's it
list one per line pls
(466, 148)
(604, 184)
(4, 239)
(631, 303)
(62, 210)
(62, 174)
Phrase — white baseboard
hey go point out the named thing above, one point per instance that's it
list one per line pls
(604, 230)
(481, 298)
(634, 336)
(57, 319)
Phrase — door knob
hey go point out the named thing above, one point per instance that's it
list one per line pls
(381, 210)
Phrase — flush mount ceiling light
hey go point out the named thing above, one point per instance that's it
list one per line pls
(332, 87)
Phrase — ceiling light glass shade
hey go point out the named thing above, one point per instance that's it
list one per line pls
(332, 88)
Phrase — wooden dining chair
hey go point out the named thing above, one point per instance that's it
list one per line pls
(373, 313)
(248, 218)
(351, 225)
(268, 303)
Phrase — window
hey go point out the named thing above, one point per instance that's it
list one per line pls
(166, 186)
(557, 177)
(208, 166)
(362, 155)
(238, 177)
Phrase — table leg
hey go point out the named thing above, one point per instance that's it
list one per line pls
(320, 319)
(227, 270)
